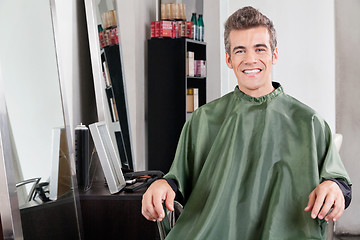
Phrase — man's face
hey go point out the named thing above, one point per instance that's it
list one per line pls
(251, 58)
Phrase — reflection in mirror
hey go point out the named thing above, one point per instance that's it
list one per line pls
(106, 59)
(36, 122)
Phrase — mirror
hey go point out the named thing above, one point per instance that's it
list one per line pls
(39, 139)
(108, 73)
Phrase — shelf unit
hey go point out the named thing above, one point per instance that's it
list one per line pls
(167, 84)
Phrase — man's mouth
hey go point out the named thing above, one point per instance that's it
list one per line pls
(251, 71)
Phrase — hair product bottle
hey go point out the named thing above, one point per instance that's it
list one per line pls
(200, 27)
(194, 27)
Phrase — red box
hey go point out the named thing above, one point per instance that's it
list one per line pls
(166, 29)
(152, 29)
(157, 29)
(107, 37)
(175, 29)
(114, 38)
(101, 39)
(188, 29)
(182, 29)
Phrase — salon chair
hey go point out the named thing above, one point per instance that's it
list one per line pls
(169, 220)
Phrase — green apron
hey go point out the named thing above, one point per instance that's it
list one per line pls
(246, 166)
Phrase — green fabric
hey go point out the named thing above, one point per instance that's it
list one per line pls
(246, 166)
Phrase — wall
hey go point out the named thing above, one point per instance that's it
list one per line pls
(213, 38)
(347, 103)
(134, 31)
(192, 6)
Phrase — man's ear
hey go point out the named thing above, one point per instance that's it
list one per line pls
(275, 56)
(228, 60)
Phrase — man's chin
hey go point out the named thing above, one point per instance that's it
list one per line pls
(255, 90)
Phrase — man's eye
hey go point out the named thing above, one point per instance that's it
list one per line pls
(260, 50)
(240, 51)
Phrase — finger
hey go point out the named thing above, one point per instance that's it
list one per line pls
(149, 215)
(338, 215)
(158, 207)
(169, 202)
(332, 214)
(147, 208)
(337, 211)
(311, 202)
(329, 202)
(319, 200)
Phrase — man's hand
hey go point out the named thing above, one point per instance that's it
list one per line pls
(325, 196)
(157, 193)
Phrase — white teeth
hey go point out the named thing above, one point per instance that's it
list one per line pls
(251, 71)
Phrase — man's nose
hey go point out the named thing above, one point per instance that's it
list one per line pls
(250, 58)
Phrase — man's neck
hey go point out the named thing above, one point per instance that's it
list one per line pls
(258, 92)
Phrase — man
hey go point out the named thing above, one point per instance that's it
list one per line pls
(247, 162)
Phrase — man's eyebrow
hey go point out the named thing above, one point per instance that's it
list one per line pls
(256, 45)
(261, 45)
(238, 47)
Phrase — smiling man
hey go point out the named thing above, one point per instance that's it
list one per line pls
(248, 164)
(251, 58)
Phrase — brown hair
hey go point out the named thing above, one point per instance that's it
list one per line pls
(245, 18)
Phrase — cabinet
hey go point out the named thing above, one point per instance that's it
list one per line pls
(167, 84)
(114, 216)
(55, 220)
